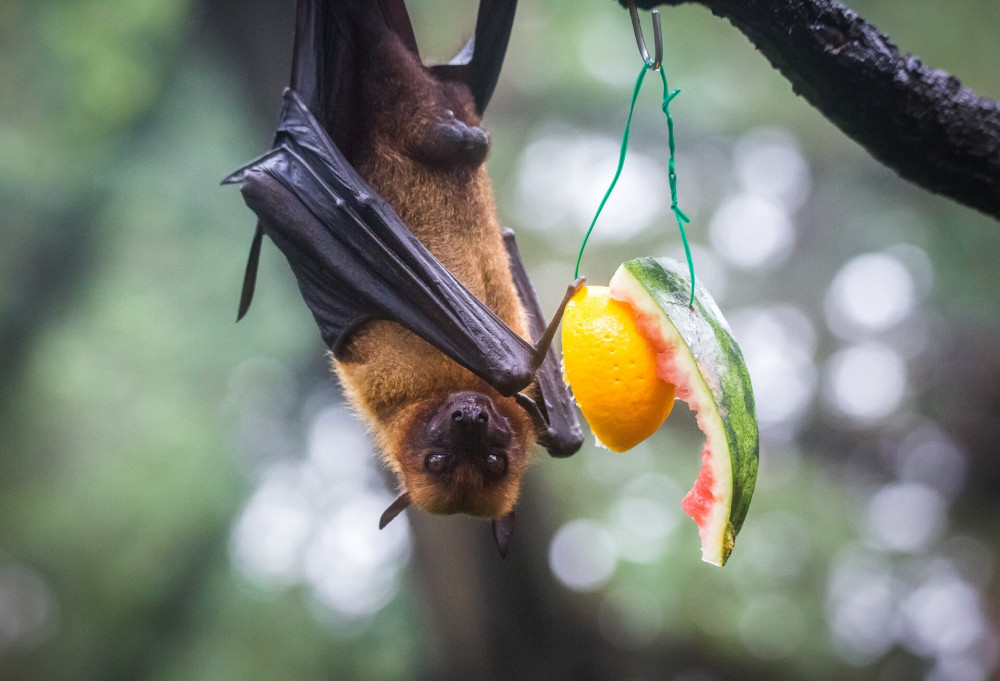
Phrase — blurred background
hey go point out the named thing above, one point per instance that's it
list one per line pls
(182, 498)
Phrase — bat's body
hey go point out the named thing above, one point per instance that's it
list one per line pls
(423, 152)
(376, 192)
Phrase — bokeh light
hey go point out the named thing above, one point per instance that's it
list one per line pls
(315, 521)
(351, 565)
(778, 344)
(866, 381)
(862, 606)
(752, 232)
(583, 555)
(645, 517)
(872, 292)
(770, 164)
(928, 456)
(562, 175)
(906, 517)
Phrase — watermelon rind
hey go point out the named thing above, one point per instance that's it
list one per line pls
(698, 354)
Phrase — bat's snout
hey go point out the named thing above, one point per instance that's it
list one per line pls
(468, 428)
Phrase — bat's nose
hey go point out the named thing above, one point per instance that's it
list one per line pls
(469, 416)
(471, 424)
(471, 420)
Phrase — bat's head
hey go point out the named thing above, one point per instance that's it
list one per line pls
(463, 452)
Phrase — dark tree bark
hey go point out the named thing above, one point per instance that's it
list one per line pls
(918, 121)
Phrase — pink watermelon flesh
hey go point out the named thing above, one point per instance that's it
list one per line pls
(699, 502)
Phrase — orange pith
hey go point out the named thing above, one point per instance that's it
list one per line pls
(611, 368)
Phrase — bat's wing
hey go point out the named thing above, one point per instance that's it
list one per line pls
(559, 429)
(478, 64)
(356, 261)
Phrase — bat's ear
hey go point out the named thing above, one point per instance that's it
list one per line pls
(395, 508)
(503, 531)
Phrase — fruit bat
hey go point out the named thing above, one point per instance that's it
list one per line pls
(375, 191)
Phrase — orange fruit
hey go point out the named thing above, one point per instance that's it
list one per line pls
(611, 368)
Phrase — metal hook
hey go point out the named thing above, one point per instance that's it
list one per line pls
(657, 36)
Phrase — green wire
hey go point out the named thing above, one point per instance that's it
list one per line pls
(621, 164)
(672, 175)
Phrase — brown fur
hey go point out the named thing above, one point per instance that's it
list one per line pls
(395, 379)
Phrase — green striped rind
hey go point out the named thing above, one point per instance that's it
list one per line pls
(717, 378)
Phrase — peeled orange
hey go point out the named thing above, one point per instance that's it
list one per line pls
(612, 370)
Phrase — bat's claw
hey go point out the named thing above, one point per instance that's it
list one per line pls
(545, 341)
(503, 531)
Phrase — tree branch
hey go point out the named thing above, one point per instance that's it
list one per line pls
(918, 121)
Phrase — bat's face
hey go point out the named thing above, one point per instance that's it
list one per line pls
(463, 452)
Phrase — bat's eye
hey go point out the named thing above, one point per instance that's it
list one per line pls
(496, 465)
(436, 463)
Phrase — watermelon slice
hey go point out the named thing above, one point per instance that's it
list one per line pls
(696, 352)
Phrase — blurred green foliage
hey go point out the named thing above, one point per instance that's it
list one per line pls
(123, 464)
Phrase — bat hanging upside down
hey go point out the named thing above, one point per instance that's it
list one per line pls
(376, 192)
